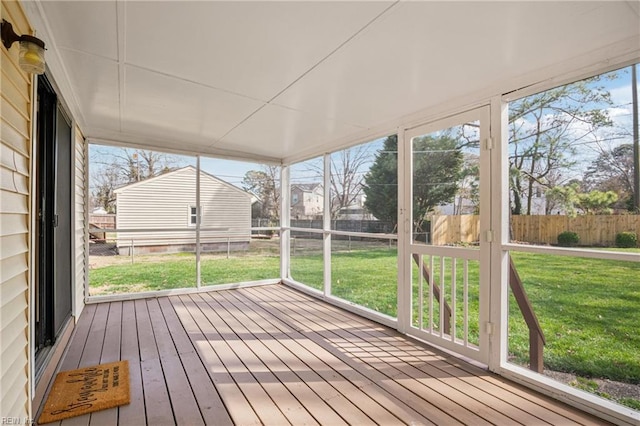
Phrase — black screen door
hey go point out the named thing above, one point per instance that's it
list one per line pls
(53, 203)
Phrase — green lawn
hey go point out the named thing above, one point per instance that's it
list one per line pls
(588, 308)
(162, 272)
(589, 312)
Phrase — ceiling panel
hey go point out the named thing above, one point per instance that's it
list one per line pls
(421, 54)
(167, 107)
(251, 48)
(88, 26)
(95, 83)
(193, 74)
(275, 132)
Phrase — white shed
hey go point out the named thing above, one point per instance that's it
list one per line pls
(168, 202)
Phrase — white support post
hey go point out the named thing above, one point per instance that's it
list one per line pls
(404, 232)
(499, 301)
(198, 223)
(285, 223)
(326, 225)
(486, 227)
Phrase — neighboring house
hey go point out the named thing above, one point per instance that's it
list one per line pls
(539, 202)
(168, 201)
(307, 200)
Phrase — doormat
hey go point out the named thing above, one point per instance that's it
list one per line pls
(82, 391)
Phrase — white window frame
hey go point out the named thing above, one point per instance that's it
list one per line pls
(191, 215)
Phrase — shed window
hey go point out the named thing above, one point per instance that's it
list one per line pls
(193, 215)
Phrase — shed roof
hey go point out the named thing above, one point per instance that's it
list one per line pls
(172, 173)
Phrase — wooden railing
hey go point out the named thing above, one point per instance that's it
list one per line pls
(436, 292)
(536, 336)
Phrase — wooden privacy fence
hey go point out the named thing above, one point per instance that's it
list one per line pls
(103, 220)
(593, 230)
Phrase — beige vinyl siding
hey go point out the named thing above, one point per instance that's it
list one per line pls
(15, 151)
(165, 201)
(81, 231)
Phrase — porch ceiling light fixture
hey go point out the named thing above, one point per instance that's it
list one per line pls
(31, 57)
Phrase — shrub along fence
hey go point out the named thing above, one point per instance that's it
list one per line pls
(593, 230)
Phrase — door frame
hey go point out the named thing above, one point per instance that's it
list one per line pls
(46, 328)
(406, 248)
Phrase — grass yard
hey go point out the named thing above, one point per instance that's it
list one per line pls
(588, 308)
(170, 271)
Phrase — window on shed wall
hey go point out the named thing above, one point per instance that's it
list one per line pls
(571, 183)
(193, 216)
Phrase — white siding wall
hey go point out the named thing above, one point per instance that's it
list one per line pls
(164, 202)
(80, 211)
(15, 156)
(313, 202)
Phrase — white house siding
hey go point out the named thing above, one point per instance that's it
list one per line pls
(165, 201)
(15, 154)
(80, 220)
(308, 201)
(313, 202)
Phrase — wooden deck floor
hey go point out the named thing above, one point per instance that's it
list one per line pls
(271, 355)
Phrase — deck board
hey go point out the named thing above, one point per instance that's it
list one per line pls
(110, 353)
(516, 395)
(491, 385)
(201, 333)
(401, 370)
(134, 413)
(183, 401)
(211, 406)
(307, 367)
(157, 403)
(272, 355)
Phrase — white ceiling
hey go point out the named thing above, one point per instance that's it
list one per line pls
(278, 80)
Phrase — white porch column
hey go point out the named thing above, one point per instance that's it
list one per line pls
(285, 222)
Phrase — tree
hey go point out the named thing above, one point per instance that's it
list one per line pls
(381, 183)
(545, 130)
(346, 176)
(105, 182)
(436, 172)
(597, 202)
(565, 197)
(437, 164)
(613, 171)
(264, 184)
(571, 199)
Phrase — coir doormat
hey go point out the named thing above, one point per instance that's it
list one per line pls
(86, 390)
